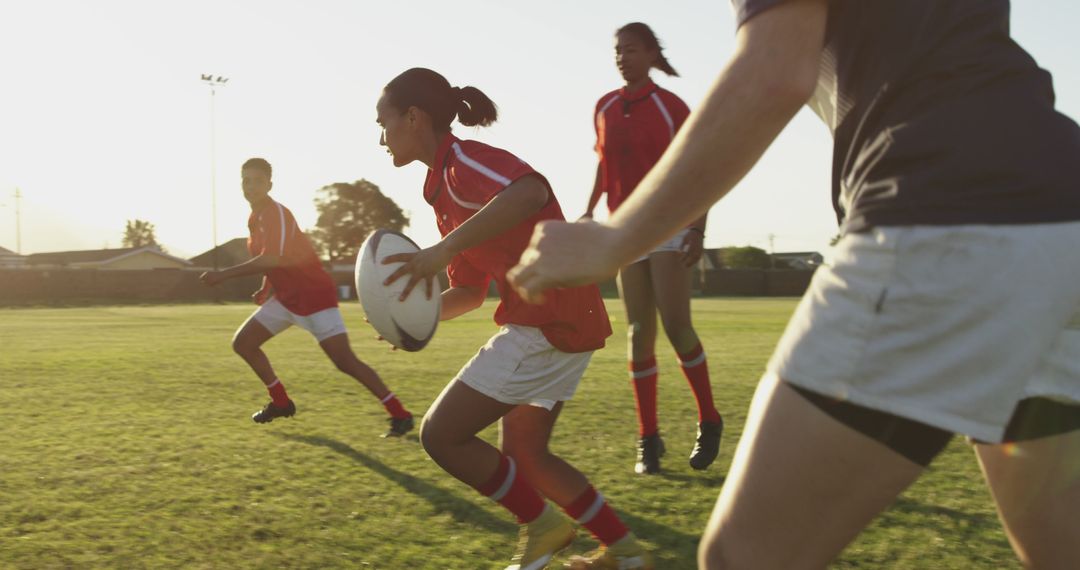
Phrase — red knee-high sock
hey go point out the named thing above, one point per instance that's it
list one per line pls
(512, 491)
(592, 511)
(277, 393)
(393, 406)
(643, 375)
(696, 370)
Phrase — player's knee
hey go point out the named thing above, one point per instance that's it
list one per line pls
(639, 335)
(710, 553)
(680, 332)
(719, 551)
(242, 346)
(434, 438)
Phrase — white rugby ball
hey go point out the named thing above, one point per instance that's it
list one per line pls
(408, 324)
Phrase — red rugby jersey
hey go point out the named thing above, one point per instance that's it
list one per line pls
(632, 131)
(469, 175)
(301, 284)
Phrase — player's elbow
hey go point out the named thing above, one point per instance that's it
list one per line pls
(532, 193)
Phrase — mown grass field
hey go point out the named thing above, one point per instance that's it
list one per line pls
(125, 442)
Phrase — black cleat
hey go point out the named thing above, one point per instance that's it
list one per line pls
(270, 411)
(649, 451)
(399, 426)
(708, 444)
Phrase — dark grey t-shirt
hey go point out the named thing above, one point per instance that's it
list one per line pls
(939, 117)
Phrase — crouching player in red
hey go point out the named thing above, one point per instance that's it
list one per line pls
(487, 202)
(296, 290)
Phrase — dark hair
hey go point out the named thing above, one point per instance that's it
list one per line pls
(644, 33)
(425, 89)
(259, 164)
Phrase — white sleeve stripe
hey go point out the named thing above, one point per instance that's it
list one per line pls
(480, 167)
(664, 112)
(606, 105)
(454, 197)
(281, 212)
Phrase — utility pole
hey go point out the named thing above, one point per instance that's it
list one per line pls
(772, 251)
(214, 82)
(18, 224)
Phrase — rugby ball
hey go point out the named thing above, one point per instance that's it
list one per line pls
(408, 324)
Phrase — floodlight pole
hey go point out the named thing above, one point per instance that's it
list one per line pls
(214, 82)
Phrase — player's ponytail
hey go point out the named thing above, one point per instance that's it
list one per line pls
(431, 92)
(476, 108)
(645, 34)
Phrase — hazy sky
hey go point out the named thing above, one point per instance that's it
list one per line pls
(103, 117)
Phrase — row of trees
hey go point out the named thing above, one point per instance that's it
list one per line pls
(348, 212)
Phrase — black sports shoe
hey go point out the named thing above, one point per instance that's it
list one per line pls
(708, 444)
(649, 451)
(399, 426)
(270, 411)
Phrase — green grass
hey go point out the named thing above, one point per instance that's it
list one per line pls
(125, 443)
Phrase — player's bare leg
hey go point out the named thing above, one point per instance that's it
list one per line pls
(801, 487)
(635, 288)
(247, 343)
(524, 434)
(341, 354)
(671, 290)
(1036, 485)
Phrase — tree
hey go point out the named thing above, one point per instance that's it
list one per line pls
(747, 257)
(139, 233)
(348, 213)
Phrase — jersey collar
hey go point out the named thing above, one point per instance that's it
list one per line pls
(639, 93)
(435, 177)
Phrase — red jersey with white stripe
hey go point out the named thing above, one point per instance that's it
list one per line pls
(300, 283)
(469, 175)
(632, 131)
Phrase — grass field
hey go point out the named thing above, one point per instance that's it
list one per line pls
(125, 443)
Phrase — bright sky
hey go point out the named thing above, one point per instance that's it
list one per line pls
(103, 117)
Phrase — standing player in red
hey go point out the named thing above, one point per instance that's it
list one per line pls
(487, 202)
(634, 125)
(296, 290)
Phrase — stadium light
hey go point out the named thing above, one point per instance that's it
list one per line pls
(213, 82)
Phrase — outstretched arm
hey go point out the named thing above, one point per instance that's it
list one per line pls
(259, 264)
(771, 75)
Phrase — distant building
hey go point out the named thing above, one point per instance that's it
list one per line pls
(800, 259)
(147, 257)
(10, 259)
(232, 252)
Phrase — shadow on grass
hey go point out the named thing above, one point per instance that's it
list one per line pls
(441, 500)
(929, 515)
(673, 549)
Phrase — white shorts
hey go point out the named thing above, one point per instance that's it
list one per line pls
(519, 366)
(673, 244)
(276, 318)
(950, 326)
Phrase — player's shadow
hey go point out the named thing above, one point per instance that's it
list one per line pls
(441, 500)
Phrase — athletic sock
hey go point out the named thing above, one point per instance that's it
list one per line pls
(591, 511)
(393, 406)
(643, 375)
(277, 393)
(696, 370)
(513, 492)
